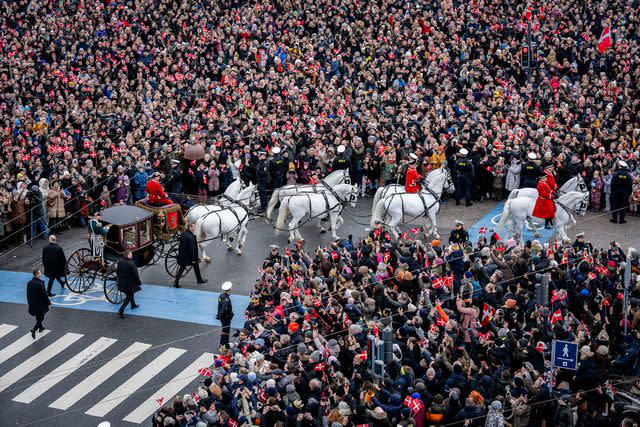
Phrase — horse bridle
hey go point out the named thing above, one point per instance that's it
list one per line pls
(580, 210)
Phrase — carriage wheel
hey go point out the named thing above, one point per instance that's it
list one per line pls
(111, 291)
(80, 271)
(158, 252)
(171, 261)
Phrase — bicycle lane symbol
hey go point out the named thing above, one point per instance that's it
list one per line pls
(93, 294)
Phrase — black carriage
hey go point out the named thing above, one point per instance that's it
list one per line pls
(130, 228)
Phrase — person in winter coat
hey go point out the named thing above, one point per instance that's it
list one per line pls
(499, 172)
(607, 190)
(595, 193)
(586, 375)
(544, 207)
(495, 418)
(470, 412)
(188, 255)
(563, 416)
(54, 262)
(139, 183)
(38, 301)
(470, 317)
(128, 281)
(512, 181)
(213, 182)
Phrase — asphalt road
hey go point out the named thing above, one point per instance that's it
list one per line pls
(50, 370)
(241, 270)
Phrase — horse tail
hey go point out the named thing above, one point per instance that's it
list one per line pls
(283, 213)
(273, 201)
(378, 213)
(376, 198)
(506, 213)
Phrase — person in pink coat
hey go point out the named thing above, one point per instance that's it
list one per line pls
(470, 317)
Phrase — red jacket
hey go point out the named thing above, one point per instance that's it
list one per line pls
(412, 183)
(156, 193)
(545, 208)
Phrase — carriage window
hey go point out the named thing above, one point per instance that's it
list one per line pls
(129, 237)
(145, 232)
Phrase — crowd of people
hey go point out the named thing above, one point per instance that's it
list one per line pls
(470, 338)
(96, 96)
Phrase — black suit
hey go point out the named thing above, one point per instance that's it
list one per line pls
(188, 255)
(128, 281)
(54, 263)
(38, 301)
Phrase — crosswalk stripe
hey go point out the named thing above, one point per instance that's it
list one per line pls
(36, 360)
(180, 381)
(99, 376)
(20, 344)
(64, 370)
(5, 329)
(139, 379)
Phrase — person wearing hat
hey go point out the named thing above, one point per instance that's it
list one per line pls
(188, 255)
(95, 225)
(277, 168)
(621, 187)
(225, 312)
(263, 178)
(545, 207)
(341, 161)
(458, 235)
(157, 196)
(412, 180)
(464, 174)
(530, 172)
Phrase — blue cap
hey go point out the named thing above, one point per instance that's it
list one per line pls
(584, 292)
(416, 395)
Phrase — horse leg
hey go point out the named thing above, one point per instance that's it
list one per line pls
(393, 225)
(431, 218)
(320, 227)
(293, 226)
(532, 222)
(339, 222)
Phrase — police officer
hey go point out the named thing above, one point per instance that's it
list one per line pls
(621, 185)
(464, 175)
(273, 258)
(262, 177)
(225, 312)
(340, 161)
(277, 168)
(459, 235)
(530, 172)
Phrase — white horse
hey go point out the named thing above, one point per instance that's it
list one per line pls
(316, 205)
(389, 190)
(425, 202)
(334, 178)
(227, 222)
(229, 196)
(520, 210)
(574, 184)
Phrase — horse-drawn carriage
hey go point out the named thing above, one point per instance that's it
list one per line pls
(129, 229)
(168, 221)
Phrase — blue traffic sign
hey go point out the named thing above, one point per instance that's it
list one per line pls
(564, 355)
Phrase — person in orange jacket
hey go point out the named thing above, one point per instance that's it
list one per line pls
(412, 181)
(545, 207)
(156, 193)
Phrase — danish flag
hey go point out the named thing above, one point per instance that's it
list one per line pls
(482, 230)
(232, 423)
(528, 12)
(438, 283)
(415, 230)
(498, 145)
(604, 42)
(160, 401)
(319, 367)
(403, 235)
(556, 316)
(205, 372)
(195, 397)
(487, 314)
(413, 404)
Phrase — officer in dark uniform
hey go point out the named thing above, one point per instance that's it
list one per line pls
(580, 244)
(274, 257)
(459, 235)
(531, 172)
(621, 186)
(464, 175)
(277, 168)
(96, 227)
(340, 161)
(225, 312)
(262, 178)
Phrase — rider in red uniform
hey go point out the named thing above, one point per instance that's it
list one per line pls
(545, 208)
(156, 193)
(412, 182)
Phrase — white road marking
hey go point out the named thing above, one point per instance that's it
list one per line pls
(180, 381)
(36, 360)
(139, 379)
(64, 370)
(20, 344)
(5, 329)
(99, 376)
